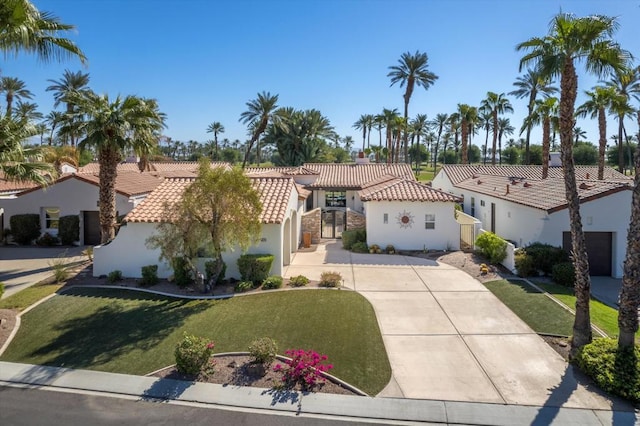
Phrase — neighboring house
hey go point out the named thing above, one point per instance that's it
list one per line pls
(409, 215)
(517, 204)
(280, 217)
(77, 194)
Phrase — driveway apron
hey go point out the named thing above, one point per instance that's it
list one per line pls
(447, 337)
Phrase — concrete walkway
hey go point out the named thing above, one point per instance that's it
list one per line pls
(342, 407)
(21, 267)
(606, 290)
(449, 338)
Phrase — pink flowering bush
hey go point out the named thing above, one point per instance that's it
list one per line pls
(304, 368)
(193, 354)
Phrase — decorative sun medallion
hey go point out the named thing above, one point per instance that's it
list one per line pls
(405, 219)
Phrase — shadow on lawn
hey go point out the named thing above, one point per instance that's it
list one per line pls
(116, 328)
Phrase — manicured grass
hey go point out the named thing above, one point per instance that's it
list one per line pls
(542, 314)
(427, 174)
(603, 316)
(128, 332)
(30, 295)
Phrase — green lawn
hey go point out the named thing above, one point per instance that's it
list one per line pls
(542, 314)
(128, 332)
(426, 173)
(30, 295)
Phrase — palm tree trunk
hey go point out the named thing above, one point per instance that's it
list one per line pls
(108, 157)
(464, 154)
(532, 102)
(406, 123)
(630, 292)
(620, 145)
(546, 130)
(486, 144)
(495, 137)
(602, 146)
(582, 325)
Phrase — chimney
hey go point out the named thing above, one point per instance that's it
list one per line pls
(587, 176)
(507, 189)
(555, 160)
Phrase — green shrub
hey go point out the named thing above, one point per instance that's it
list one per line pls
(390, 249)
(1, 289)
(492, 247)
(149, 275)
(545, 256)
(255, 267)
(524, 264)
(181, 272)
(564, 274)
(330, 279)
(114, 276)
(298, 281)
(47, 240)
(25, 228)
(615, 371)
(69, 229)
(272, 282)
(193, 354)
(352, 236)
(360, 247)
(263, 351)
(243, 286)
(210, 267)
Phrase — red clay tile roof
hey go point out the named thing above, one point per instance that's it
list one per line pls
(11, 186)
(459, 172)
(547, 194)
(286, 171)
(274, 196)
(94, 168)
(355, 176)
(399, 189)
(160, 168)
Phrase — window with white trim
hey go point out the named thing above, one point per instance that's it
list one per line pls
(429, 221)
(385, 218)
(51, 217)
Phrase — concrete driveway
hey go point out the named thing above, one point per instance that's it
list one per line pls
(447, 337)
(21, 267)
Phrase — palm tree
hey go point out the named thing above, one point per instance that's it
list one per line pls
(600, 100)
(23, 28)
(216, 127)
(259, 112)
(362, 124)
(578, 134)
(389, 119)
(13, 89)
(419, 127)
(529, 86)
(486, 123)
(64, 90)
(438, 123)
(112, 128)
(20, 163)
(504, 128)
(544, 112)
(27, 111)
(497, 104)
(411, 70)
(468, 116)
(626, 83)
(53, 119)
(571, 39)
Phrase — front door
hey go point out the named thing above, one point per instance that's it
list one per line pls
(493, 218)
(333, 223)
(91, 228)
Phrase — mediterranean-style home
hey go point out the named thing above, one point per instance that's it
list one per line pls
(518, 205)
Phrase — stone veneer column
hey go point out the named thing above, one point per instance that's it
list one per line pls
(356, 220)
(311, 222)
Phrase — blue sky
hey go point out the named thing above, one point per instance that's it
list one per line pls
(203, 60)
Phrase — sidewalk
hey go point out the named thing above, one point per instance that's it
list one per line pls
(358, 408)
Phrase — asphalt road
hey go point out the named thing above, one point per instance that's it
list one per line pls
(33, 407)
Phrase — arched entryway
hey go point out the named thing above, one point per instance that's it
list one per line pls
(295, 237)
(286, 243)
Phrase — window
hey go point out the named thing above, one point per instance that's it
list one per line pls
(482, 203)
(429, 221)
(385, 218)
(51, 217)
(473, 206)
(336, 199)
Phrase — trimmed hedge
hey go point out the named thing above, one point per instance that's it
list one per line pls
(545, 256)
(564, 274)
(25, 228)
(181, 272)
(613, 370)
(350, 237)
(360, 247)
(255, 267)
(69, 229)
(149, 275)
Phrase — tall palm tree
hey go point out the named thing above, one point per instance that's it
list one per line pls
(497, 104)
(438, 123)
(112, 128)
(544, 112)
(216, 127)
(454, 129)
(529, 86)
(362, 124)
(419, 127)
(389, 117)
(20, 163)
(23, 28)
(599, 101)
(52, 120)
(412, 70)
(14, 89)
(468, 115)
(579, 133)
(259, 112)
(27, 111)
(571, 39)
(504, 128)
(72, 84)
(626, 83)
(486, 123)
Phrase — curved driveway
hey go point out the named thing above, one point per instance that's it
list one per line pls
(447, 337)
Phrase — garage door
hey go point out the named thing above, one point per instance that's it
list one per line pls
(599, 251)
(91, 228)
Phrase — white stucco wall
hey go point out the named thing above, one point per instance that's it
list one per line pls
(71, 196)
(446, 234)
